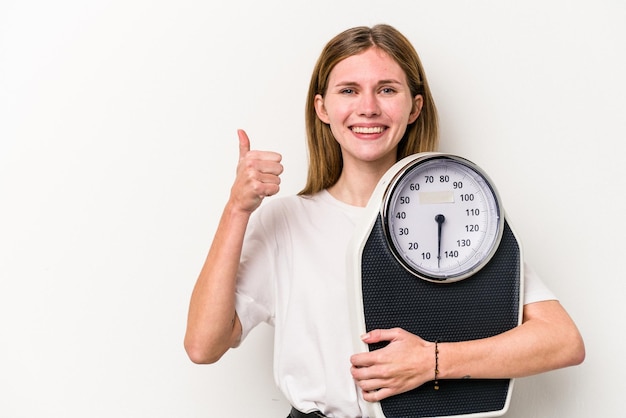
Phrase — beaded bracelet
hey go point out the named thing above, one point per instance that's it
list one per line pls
(436, 364)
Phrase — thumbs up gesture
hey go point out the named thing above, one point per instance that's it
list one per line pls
(257, 175)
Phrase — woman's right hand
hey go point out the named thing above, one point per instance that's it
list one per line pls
(257, 175)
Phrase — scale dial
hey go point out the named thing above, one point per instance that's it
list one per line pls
(442, 217)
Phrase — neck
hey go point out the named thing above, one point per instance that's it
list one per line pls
(356, 184)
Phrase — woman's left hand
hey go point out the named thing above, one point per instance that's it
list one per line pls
(405, 363)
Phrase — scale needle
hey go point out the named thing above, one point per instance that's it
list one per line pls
(440, 219)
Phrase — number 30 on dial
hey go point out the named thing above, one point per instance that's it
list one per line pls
(442, 217)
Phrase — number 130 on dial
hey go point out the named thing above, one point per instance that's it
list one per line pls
(442, 217)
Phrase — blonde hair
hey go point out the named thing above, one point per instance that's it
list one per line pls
(325, 159)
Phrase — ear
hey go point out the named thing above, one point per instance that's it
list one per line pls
(320, 109)
(418, 102)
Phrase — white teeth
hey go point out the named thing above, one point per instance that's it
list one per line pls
(364, 130)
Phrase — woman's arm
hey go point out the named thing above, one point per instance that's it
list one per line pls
(546, 340)
(212, 324)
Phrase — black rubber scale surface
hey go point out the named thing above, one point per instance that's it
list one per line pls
(482, 305)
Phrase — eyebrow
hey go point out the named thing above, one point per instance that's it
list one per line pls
(379, 83)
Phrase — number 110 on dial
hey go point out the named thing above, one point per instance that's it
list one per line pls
(442, 217)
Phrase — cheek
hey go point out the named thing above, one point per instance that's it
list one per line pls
(398, 110)
(407, 114)
(336, 131)
(337, 117)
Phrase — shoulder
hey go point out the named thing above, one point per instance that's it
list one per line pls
(284, 204)
(305, 209)
(284, 209)
(291, 203)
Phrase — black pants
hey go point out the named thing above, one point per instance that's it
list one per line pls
(297, 414)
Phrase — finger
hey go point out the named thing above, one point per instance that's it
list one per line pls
(378, 335)
(371, 385)
(244, 143)
(377, 395)
(269, 156)
(270, 190)
(269, 179)
(361, 361)
(269, 166)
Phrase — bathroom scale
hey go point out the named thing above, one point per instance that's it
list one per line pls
(436, 256)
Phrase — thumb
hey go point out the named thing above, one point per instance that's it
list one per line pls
(244, 143)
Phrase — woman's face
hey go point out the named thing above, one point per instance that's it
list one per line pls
(368, 105)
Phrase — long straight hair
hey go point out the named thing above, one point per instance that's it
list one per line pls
(325, 159)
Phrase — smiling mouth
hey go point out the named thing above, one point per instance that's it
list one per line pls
(368, 130)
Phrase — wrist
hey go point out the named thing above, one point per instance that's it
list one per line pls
(235, 210)
(436, 372)
(453, 361)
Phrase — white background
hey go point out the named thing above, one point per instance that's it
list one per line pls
(118, 147)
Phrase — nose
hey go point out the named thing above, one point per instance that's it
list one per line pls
(368, 105)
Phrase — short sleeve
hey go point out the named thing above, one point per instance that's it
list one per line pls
(535, 289)
(254, 295)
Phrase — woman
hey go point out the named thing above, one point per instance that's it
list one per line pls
(368, 105)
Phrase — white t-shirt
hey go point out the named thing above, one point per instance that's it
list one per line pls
(292, 276)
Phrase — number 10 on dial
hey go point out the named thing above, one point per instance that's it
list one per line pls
(442, 217)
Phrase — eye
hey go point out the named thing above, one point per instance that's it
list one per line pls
(347, 90)
(387, 90)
